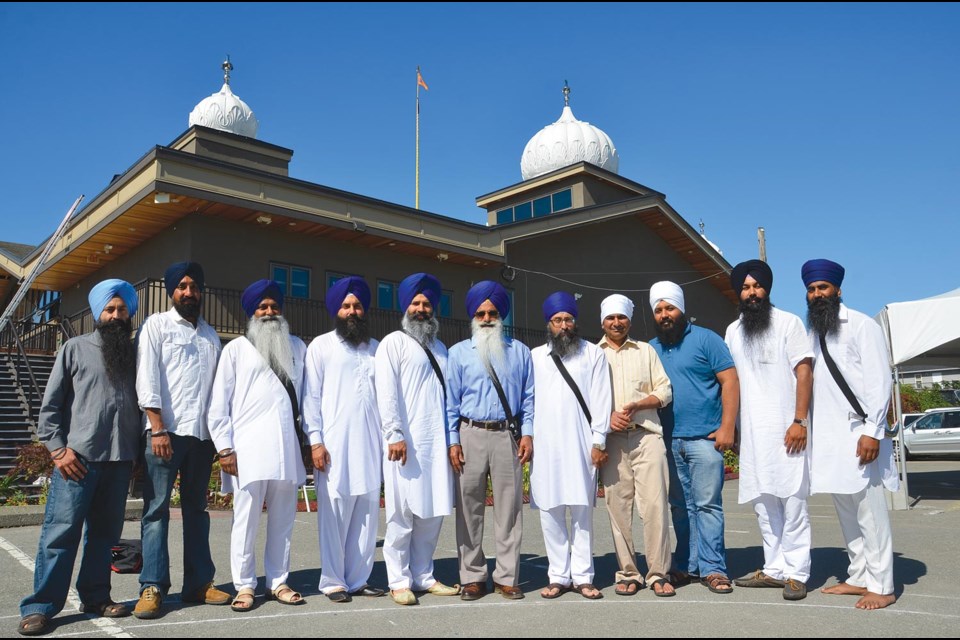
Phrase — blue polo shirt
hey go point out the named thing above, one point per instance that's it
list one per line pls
(692, 365)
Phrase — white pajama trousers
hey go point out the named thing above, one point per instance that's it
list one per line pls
(281, 499)
(785, 530)
(347, 526)
(408, 548)
(569, 552)
(866, 529)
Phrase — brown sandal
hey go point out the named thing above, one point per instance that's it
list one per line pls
(106, 609)
(581, 588)
(717, 583)
(34, 624)
(659, 588)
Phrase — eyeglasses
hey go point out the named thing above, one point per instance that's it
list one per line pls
(559, 322)
(480, 315)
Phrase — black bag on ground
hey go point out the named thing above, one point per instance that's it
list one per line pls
(127, 556)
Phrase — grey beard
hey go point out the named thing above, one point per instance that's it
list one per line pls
(755, 319)
(491, 346)
(823, 315)
(423, 331)
(565, 343)
(270, 335)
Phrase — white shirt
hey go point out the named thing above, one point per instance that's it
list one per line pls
(340, 411)
(562, 471)
(860, 352)
(176, 364)
(768, 402)
(250, 413)
(411, 402)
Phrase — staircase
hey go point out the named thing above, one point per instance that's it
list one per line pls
(17, 426)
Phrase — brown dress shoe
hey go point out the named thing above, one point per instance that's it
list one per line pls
(473, 591)
(510, 593)
(207, 594)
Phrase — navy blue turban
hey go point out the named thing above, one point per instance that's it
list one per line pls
(255, 293)
(176, 272)
(557, 302)
(822, 269)
(488, 290)
(757, 269)
(419, 283)
(101, 295)
(344, 287)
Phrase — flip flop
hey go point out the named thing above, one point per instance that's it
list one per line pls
(581, 588)
(561, 589)
(627, 582)
(657, 586)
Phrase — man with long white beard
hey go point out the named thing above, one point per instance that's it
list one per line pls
(490, 431)
(342, 421)
(773, 358)
(571, 417)
(418, 483)
(851, 459)
(90, 424)
(254, 416)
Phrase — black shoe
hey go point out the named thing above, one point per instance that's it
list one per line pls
(339, 596)
(368, 591)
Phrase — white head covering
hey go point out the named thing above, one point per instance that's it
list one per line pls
(616, 305)
(669, 291)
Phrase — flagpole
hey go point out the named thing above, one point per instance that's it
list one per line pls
(417, 186)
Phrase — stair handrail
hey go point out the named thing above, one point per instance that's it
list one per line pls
(33, 388)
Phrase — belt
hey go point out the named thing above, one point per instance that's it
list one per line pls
(489, 425)
(633, 427)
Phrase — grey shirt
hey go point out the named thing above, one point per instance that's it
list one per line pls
(83, 410)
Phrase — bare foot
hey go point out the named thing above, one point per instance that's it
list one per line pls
(872, 601)
(844, 589)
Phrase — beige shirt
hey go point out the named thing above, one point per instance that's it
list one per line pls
(638, 373)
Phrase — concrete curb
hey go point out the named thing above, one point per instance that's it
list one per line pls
(29, 515)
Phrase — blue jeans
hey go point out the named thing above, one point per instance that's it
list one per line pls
(98, 501)
(696, 505)
(193, 459)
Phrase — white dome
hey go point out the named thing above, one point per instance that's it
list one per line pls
(565, 142)
(226, 112)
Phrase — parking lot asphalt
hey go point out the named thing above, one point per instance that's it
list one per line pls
(926, 567)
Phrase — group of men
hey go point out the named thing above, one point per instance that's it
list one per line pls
(653, 420)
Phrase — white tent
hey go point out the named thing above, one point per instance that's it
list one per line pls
(920, 332)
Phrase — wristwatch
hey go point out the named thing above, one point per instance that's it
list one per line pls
(803, 422)
(600, 447)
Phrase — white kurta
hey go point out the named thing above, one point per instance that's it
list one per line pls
(250, 413)
(340, 411)
(562, 471)
(860, 352)
(411, 402)
(768, 401)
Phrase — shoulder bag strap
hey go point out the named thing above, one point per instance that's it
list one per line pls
(512, 424)
(838, 378)
(573, 385)
(436, 370)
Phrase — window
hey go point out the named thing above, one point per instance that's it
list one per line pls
(932, 421)
(522, 211)
(508, 319)
(543, 206)
(918, 381)
(446, 304)
(293, 281)
(387, 295)
(505, 215)
(332, 277)
(562, 200)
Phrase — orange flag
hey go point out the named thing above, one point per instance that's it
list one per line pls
(420, 81)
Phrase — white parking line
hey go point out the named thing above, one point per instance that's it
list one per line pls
(106, 625)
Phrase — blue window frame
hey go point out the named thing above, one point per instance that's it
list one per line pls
(387, 295)
(505, 215)
(523, 211)
(294, 281)
(446, 304)
(562, 200)
(541, 207)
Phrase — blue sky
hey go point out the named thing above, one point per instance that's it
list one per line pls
(836, 127)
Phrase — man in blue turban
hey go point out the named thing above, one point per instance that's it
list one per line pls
(852, 459)
(176, 363)
(254, 424)
(571, 418)
(411, 397)
(90, 424)
(343, 423)
(489, 404)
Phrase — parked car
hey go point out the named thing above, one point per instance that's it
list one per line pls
(935, 432)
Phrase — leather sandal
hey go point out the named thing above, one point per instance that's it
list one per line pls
(561, 589)
(626, 582)
(284, 594)
(582, 588)
(244, 600)
(34, 624)
(717, 583)
(106, 609)
(659, 585)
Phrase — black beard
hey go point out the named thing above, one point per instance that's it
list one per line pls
(823, 315)
(564, 343)
(673, 335)
(118, 351)
(756, 315)
(188, 310)
(353, 329)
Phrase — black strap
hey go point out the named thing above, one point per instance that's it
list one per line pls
(436, 370)
(838, 378)
(573, 385)
(294, 404)
(512, 424)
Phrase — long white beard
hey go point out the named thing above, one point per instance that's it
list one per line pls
(491, 346)
(423, 331)
(271, 337)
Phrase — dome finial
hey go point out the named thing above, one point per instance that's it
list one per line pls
(566, 94)
(227, 68)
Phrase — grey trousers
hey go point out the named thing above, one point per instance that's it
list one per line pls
(493, 453)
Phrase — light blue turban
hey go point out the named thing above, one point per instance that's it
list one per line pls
(101, 295)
